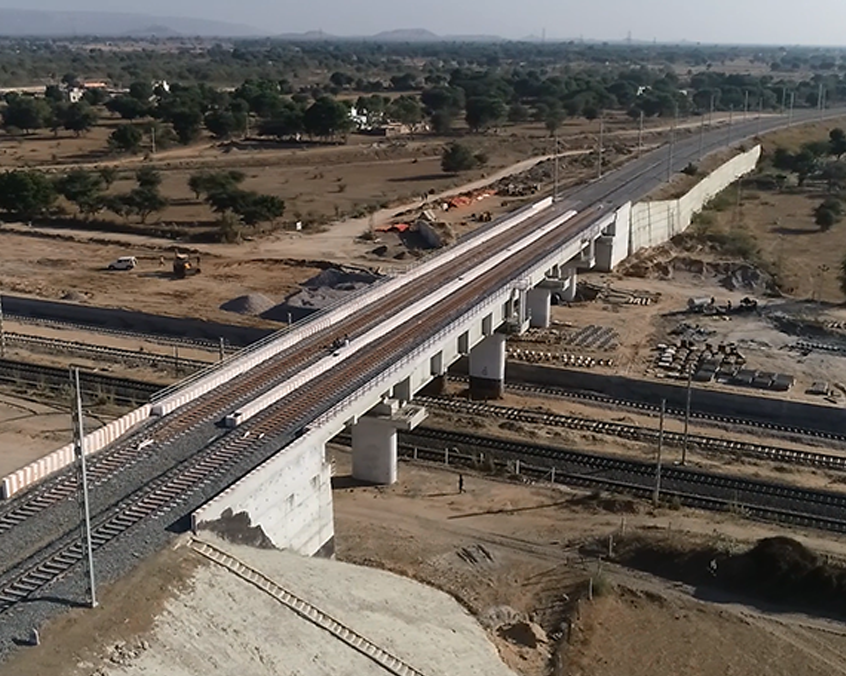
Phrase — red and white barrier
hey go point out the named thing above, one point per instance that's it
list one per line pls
(61, 458)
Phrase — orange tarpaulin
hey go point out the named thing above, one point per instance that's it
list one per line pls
(396, 227)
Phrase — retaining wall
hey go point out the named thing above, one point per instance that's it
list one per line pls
(93, 442)
(656, 222)
(758, 408)
(128, 320)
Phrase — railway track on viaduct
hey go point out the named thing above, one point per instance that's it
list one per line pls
(172, 465)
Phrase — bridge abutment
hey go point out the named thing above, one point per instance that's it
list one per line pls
(487, 368)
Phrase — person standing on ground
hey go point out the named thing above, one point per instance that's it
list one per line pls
(460, 483)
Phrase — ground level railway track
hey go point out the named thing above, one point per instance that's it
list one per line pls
(27, 341)
(92, 383)
(196, 343)
(263, 435)
(214, 404)
(638, 433)
(765, 500)
(551, 392)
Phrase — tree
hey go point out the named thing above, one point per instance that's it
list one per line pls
(223, 123)
(148, 178)
(186, 123)
(553, 119)
(145, 201)
(837, 142)
(518, 113)
(442, 122)
(828, 214)
(128, 108)
(834, 174)
(126, 138)
(26, 193)
(141, 91)
(842, 276)
(483, 112)
(108, 175)
(287, 123)
(54, 93)
(251, 207)
(406, 110)
(25, 113)
(326, 118)
(456, 158)
(94, 97)
(208, 182)
(804, 163)
(83, 188)
(78, 118)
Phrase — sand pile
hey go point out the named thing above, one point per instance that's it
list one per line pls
(251, 304)
(327, 288)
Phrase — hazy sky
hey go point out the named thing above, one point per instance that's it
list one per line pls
(745, 21)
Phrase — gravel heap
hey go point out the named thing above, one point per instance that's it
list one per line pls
(322, 290)
(251, 304)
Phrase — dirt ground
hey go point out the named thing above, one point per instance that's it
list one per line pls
(762, 339)
(30, 429)
(506, 552)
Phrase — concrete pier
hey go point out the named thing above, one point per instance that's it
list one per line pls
(538, 301)
(487, 368)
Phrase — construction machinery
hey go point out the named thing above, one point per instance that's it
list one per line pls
(182, 266)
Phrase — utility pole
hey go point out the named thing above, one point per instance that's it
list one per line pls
(687, 415)
(711, 114)
(2, 331)
(822, 102)
(819, 100)
(222, 348)
(79, 449)
(731, 121)
(783, 100)
(555, 186)
(672, 145)
(640, 135)
(760, 112)
(152, 139)
(745, 104)
(792, 103)
(601, 139)
(701, 138)
(656, 495)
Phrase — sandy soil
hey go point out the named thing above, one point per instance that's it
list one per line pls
(29, 430)
(49, 269)
(502, 550)
(641, 328)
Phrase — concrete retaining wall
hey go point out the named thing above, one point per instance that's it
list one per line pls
(93, 442)
(129, 320)
(656, 222)
(762, 409)
(288, 496)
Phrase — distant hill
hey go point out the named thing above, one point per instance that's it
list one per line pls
(406, 35)
(398, 35)
(34, 23)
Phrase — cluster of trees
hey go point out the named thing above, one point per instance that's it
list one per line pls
(820, 161)
(222, 192)
(30, 194)
(457, 157)
(377, 66)
(24, 114)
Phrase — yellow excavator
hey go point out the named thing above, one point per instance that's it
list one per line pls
(182, 266)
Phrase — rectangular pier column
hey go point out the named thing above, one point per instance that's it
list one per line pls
(538, 301)
(570, 284)
(374, 451)
(487, 368)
